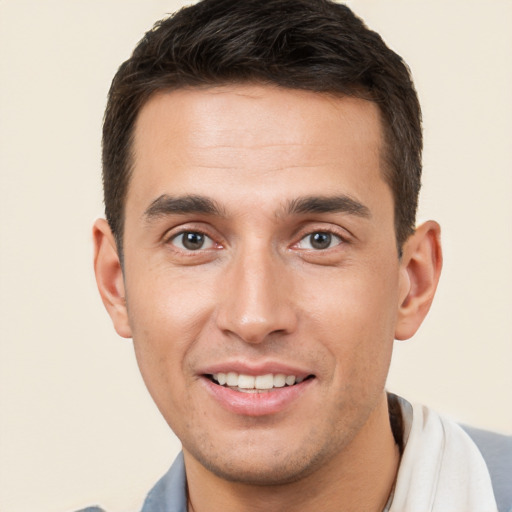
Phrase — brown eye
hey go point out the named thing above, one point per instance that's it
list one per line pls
(192, 241)
(320, 240)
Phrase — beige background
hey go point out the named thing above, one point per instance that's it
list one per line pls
(76, 424)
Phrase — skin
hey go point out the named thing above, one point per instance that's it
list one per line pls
(258, 292)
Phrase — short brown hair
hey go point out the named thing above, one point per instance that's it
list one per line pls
(315, 45)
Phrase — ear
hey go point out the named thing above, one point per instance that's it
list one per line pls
(420, 270)
(109, 277)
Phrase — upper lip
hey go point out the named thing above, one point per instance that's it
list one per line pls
(255, 368)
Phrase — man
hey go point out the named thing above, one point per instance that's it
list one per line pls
(262, 165)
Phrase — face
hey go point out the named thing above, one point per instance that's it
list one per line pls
(261, 274)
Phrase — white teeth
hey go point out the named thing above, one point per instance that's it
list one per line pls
(279, 380)
(263, 382)
(232, 379)
(290, 380)
(246, 381)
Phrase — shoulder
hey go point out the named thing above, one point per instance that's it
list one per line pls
(169, 494)
(496, 450)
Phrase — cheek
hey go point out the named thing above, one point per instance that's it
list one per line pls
(167, 311)
(353, 314)
(363, 297)
(168, 307)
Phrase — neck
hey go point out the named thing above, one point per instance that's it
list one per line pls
(361, 477)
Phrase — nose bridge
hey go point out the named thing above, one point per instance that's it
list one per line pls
(255, 302)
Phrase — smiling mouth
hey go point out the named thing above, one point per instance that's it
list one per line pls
(256, 383)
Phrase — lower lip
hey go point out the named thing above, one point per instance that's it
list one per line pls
(256, 404)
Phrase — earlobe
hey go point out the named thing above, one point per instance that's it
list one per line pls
(420, 272)
(109, 277)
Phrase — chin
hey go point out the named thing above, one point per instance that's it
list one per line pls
(261, 473)
(265, 467)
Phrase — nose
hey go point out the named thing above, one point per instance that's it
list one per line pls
(256, 297)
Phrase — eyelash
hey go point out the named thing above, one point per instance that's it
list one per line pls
(331, 233)
(330, 238)
(173, 237)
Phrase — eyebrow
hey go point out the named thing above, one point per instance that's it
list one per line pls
(328, 204)
(181, 205)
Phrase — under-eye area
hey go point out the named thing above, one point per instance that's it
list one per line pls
(255, 383)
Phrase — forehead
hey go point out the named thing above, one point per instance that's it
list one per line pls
(254, 137)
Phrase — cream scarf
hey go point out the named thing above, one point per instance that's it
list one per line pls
(441, 470)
